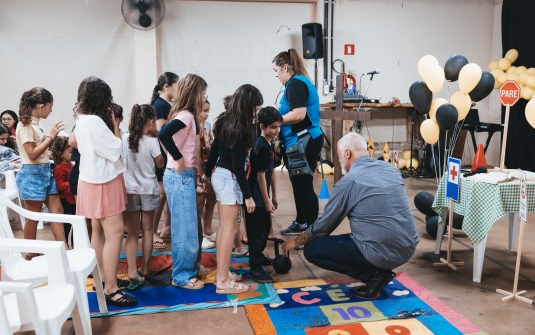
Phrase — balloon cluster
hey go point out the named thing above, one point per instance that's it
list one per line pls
(503, 70)
(474, 85)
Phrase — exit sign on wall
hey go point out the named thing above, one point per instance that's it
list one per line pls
(349, 49)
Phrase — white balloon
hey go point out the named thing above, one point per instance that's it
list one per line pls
(434, 106)
(434, 78)
(462, 102)
(426, 62)
(469, 77)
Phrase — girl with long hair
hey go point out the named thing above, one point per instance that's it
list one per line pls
(162, 96)
(233, 135)
(35, 180)
(141, 157)
(101, 188)
(180, 137)
(300, 110)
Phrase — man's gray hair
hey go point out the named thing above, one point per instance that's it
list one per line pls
(352, 142)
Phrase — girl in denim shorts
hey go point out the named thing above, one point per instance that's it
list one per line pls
(233, 133)
(35, 180)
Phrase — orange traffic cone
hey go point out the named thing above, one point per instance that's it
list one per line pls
(479, 160)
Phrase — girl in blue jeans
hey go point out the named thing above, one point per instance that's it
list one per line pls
(35, 180)
(179, 137)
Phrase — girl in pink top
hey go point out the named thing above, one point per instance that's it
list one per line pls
(179, 137)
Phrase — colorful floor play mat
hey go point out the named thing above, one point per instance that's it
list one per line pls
(160, 296)
(329, 307)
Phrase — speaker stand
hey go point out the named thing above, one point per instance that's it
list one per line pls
(316, 73)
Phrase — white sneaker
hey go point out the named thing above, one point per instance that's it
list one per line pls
(206, 244)
(210, 238)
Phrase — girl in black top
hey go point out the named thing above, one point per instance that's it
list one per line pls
(162, 95)
(232, 138)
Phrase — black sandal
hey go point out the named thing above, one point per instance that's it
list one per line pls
(121, 283)
(125, 300)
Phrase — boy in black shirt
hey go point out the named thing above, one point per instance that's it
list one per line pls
(261, 179)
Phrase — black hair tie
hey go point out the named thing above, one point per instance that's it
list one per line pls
(288, 51)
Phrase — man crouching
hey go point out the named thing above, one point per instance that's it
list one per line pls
(383, 235)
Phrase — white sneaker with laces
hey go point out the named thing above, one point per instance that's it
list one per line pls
(206, 244)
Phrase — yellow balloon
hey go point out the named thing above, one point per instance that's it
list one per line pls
(504, 64)
(530, 112)
(512, 55)
(434, 106)
(531, 81)
(521, 87)
(533, 95)
(493, 65)
(426, 62)
(462, 102)
(469, 77)
(414, 164)
(401, 163)
(531, 71)
(406, 154)
(521, 69)
(497, 85)
(430, 131)
(326, 168)
(496, 73)
(523, 77)
(512, 76)
(502, 78)
(434, 78)
(512, 69)
(527, 93)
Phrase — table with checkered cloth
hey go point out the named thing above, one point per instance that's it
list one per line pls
(482, 204)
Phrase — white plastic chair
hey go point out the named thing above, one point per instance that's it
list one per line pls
(12, 192)
(82, 260)
(5, 327)
(44, 309)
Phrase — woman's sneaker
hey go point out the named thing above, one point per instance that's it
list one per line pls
(294, 229)
(260, 275)
(206, 244)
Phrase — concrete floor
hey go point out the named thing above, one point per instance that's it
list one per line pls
(478, 302)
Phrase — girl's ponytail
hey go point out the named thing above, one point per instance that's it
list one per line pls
(29, 100)
(140, 115)
(168, 78)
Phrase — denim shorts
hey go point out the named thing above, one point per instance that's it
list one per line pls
(226, 187)
(142, 202)
(35, 182)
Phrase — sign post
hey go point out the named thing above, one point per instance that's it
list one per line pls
(452, 192)
(509, 95)
(523, 212)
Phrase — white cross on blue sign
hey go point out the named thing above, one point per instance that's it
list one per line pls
(454, 175)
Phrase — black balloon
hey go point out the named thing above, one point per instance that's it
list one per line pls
(457, 220)
(453, 66)
(483, 88)
(431, 226)
(447, 116)
(421, 97)
(424, 202)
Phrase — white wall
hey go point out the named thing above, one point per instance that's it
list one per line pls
(57, 44)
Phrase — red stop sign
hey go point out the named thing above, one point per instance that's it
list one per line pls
(509, 93)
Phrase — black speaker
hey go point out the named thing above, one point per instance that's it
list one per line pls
(312, 41)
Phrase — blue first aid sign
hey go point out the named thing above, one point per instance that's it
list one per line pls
(454, 176)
